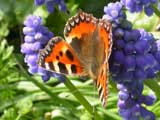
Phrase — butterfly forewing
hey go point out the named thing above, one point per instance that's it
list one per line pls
(78, 25)
(59, 57)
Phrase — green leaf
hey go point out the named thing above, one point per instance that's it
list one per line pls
(141, 20)
(153, 85)
(56, 21)
(9, 114)
(24, 106)
(93, 6)
(9, 51)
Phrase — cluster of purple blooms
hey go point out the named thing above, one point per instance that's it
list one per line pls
(36, 37)
(135, 54)
(139, 5)
(135, 57)
(51, 4)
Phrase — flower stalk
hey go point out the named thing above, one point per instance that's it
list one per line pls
(81, 99)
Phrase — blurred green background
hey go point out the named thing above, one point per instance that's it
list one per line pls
(25, 97)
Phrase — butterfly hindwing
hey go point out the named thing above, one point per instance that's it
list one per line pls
(105, 33)
(59, 57)
(91, 38)
(102, 84)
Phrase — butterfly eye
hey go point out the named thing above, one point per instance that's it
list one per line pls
(69, 55)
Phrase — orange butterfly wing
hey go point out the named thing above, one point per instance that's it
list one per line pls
(105, 31)
(84, 23)
(78, 25)
(59, 57)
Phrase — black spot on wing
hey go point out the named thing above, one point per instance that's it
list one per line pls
(57, 57)
(69, 55)
(51, 66)
(62, 68)
(61, 53)
(73, 68)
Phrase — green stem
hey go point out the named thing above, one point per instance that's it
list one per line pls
(156, 11)
(19, 116)
(70, 86)
(40, 85)
(81, 99)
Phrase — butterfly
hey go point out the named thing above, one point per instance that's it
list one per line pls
(84, 52)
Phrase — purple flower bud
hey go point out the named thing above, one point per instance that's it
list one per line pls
(28, 31)
(51, 3)
(32, 59)
(38, 36)
(136, 111)
(33, 69)
(26, 48)
(151, 61)
(36, 46)
(138, 8)
(151, 73)
(153, 1)
(50, 6)
(158, 44)
(120, 44)
(129, 48)
(123, 95)
(142, 47)
(33, 21)
(29, 39)
(135, 34)
(140, 74)
(115, 69)
(125, 113)
(141, 62)
(39, 2)
(127, 36)
(121, 87)
(121, 104)
(148, 100)
(130, 63)
(148, 10)
(157, 56)
(42, 71)
(147, 115)
(45, 78)
(118, 57)
(119, 33)
(127, 76)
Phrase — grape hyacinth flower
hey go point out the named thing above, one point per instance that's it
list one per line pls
(134, 58)
(36, 37)
(51, 4)
(130, 100)
(139, 5)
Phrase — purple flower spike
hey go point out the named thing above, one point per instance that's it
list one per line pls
(51, 4)
(139, 5)
(135, 57)
(36, 37)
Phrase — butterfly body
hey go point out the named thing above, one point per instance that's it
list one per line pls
(85, 52)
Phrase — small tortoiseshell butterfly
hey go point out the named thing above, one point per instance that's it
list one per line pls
(85, 52)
